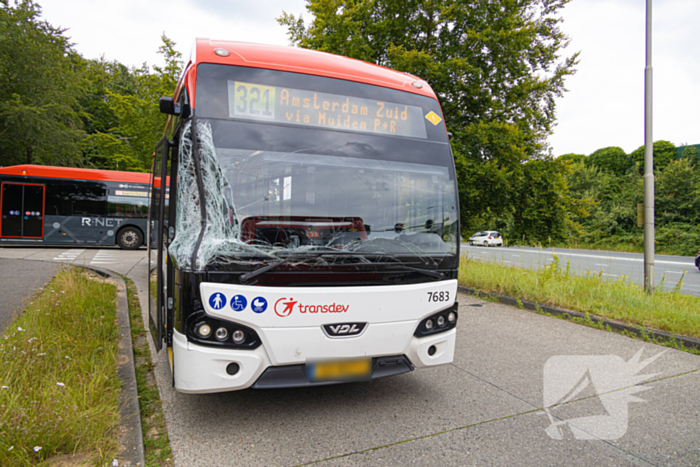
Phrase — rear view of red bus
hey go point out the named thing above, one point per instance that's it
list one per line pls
(311, 234)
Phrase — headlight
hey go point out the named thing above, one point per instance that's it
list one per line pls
(222, 334)
(445, 319)
(238, 336)
(204, 330)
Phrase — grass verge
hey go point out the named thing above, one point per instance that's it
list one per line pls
(617, 300)
(60, 387)
(155, 435)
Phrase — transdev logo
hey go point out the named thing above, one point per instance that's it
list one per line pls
(284, 307)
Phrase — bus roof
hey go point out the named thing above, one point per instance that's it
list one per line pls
(296, 60)
(46, 171)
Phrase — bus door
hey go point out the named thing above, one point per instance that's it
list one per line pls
(161, 272)
(22, 207)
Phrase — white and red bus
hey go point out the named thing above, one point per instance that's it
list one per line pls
(43, 205)
(313, 232)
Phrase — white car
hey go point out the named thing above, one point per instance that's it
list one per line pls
(487, 238)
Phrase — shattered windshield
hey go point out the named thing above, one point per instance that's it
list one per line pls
(274, 190)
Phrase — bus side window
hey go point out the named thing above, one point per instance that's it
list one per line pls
(89, 199)
(58, 198)
(76, 198)
(127, 206)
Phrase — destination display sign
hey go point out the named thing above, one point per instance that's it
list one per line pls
(250, 101)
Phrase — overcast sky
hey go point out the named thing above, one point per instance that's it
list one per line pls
(604, 105)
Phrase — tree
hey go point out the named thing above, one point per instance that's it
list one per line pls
(612, 160)
(125, 122)
(574, 158)
(664, 153)
(678, 194)
(495, 66)
(40, 86)
(543, 210)
(691, 154)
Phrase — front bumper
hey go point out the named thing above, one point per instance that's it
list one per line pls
(199, 369)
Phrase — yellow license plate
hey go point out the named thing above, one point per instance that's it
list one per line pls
(339, 370)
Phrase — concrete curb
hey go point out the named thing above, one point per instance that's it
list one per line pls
(639, 331)
(131, 438)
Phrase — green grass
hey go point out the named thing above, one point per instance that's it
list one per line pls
(617, 300)
(155, 435)
(60, 388)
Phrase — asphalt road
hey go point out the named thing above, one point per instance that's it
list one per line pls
(20, 280)
(483, 409)
(668, 270)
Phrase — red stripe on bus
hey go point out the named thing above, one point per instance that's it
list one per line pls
(45, 171)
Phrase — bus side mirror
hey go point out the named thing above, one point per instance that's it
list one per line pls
(167, 106)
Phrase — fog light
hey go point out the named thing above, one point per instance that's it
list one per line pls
(429, 324)
(232, 368)
(441, 321)
(222, 334)
(238, 336)
(452, 317)
(204, 330)
(431, 350)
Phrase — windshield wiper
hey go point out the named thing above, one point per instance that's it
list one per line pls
(427, 272)
(244, 278)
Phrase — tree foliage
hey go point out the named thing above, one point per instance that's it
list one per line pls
(40, 85)
(579, 158)
(612, 160)
(664, 153)
(614, 194)
(58, 108)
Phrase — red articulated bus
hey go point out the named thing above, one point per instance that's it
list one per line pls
(43, 205)
(312, 233)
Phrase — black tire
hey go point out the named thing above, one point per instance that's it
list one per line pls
(129, 238)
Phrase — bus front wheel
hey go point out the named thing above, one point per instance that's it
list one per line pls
(129, 238)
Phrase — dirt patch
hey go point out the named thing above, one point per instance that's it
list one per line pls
(71, 460)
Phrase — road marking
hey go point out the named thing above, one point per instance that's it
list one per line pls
(673, 272)
(515, 256)
(598, 264)
(104, 257)
(636, 260)
(69, 255)
(613, 275)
